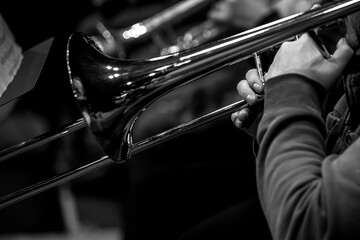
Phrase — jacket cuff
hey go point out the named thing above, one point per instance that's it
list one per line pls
(293, 89)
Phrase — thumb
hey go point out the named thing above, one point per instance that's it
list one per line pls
(343, 53)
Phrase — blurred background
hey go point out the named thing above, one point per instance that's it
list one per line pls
(160, 193)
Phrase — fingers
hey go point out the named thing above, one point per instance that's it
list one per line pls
(343, 53)
(238, 118)
(248, 88)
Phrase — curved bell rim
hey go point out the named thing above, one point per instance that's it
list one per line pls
(109, 92)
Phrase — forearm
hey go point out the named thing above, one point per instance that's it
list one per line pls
(297, 183)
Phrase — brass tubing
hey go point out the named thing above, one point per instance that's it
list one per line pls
(185, 127)
(52, 182)
(105, 161)
(40, 140)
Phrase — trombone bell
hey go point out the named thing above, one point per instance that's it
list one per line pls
(101, 97)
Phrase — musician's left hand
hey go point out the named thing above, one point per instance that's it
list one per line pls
(303, 57)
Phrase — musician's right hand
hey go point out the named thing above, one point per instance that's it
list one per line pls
(248, 90)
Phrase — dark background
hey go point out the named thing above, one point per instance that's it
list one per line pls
(162, 192)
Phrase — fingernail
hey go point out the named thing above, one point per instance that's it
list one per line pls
(257, 87)
(250, 98)
(243, 114)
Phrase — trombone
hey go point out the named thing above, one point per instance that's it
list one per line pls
(112, 93)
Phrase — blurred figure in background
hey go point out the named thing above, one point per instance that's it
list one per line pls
(240, 14)
(236, 12)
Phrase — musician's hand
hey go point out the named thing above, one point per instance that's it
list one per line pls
(248, 90)
(243, 14)
(303, 57)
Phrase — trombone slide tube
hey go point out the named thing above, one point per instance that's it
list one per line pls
(52, 182)
(40, 140)
(105, 161)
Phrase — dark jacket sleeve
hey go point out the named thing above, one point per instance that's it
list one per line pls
(304, 193)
